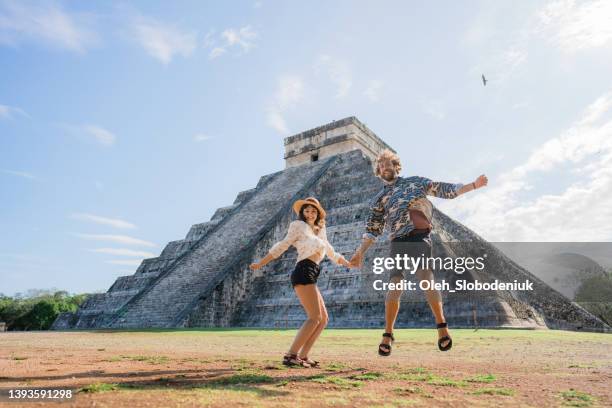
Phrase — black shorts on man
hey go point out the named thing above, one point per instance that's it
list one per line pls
(416, 245)
(306, 272)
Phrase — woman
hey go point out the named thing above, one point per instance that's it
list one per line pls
(309, 237)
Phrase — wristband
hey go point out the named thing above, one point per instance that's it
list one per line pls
(474, 185)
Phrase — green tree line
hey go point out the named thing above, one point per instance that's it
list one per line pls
(37, 311)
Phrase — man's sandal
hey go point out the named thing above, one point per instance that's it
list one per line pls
(385, 349)
(311, 363)
(292, 360)
(444, 339)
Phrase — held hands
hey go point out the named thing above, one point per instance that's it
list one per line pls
(481, 181)
(342, 261)
(356, 261)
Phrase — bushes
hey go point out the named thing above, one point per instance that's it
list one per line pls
(37, 312)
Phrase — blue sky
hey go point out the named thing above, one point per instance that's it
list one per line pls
(122, 124)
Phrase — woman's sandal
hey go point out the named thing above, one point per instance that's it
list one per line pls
(311, 363)
(385, 349)
(444, 339)
(292, 360)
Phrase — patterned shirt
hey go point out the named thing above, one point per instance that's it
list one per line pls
(390, 206)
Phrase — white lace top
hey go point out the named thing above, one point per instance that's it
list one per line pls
(307, 243)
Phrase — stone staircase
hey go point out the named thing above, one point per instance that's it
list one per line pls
(199, 265)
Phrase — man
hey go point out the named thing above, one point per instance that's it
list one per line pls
(403, 207)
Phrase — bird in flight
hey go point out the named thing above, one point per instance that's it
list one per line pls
(484, 80)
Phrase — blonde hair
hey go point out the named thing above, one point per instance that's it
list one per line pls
(387, 155)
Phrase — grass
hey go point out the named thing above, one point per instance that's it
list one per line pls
(242, 367)
(243, 378)
(339, 382)
(367, 376)
(482, 378)
(147, 359)
(494, 391)
(413, 390)
(98, 387)
(574, 398)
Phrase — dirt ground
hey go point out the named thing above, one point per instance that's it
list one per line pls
(242, 368)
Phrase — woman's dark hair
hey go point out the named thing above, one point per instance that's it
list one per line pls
(318, 222)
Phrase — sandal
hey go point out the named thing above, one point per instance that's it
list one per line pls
(385, 349)
(292, 360)
(444, 338)
(311, 363)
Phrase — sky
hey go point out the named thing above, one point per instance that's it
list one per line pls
(124, 123)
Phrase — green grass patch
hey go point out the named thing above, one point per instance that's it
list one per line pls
(367, 376)
(147, 359)
(494, 391)
(413, 390)
(446, 382)
(574, 398)
(243, 378)
(98, 387)
(482, 378)
(337, 367)
(339, 382)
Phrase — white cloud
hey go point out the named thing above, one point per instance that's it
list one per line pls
(338, 72)
(123, 252)
(92, 132)
(47, 23)
(277, 122)
(435, 109)
(574, 26)
(127, 262)
(100, 135)
(8, 112)
(201, 137)
(119, 239)
(373, 90)
(22, 174)
(112, 222)
(240, 39)
(290, 90)
(580, 212)
(216, 52)
(163, 41)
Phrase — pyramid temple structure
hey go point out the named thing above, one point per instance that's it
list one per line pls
(204, 280)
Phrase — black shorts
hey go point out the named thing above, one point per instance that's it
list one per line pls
(306, 272)
(414, 245)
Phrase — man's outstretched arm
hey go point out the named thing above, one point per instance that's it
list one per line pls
(481, 181)
(450, 190)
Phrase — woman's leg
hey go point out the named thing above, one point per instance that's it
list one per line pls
(309, 298)
(317, 332)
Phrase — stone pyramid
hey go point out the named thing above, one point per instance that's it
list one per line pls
(204, 279)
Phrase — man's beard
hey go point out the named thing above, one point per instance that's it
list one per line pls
(389, 176)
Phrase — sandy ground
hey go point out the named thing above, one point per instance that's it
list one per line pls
(242, 368)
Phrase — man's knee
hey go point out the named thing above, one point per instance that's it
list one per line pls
(394, 295)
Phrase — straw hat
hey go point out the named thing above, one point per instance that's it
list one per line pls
(310, 201)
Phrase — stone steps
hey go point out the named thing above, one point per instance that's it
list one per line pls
(171, 293)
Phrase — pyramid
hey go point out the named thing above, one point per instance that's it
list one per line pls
(204, 280)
